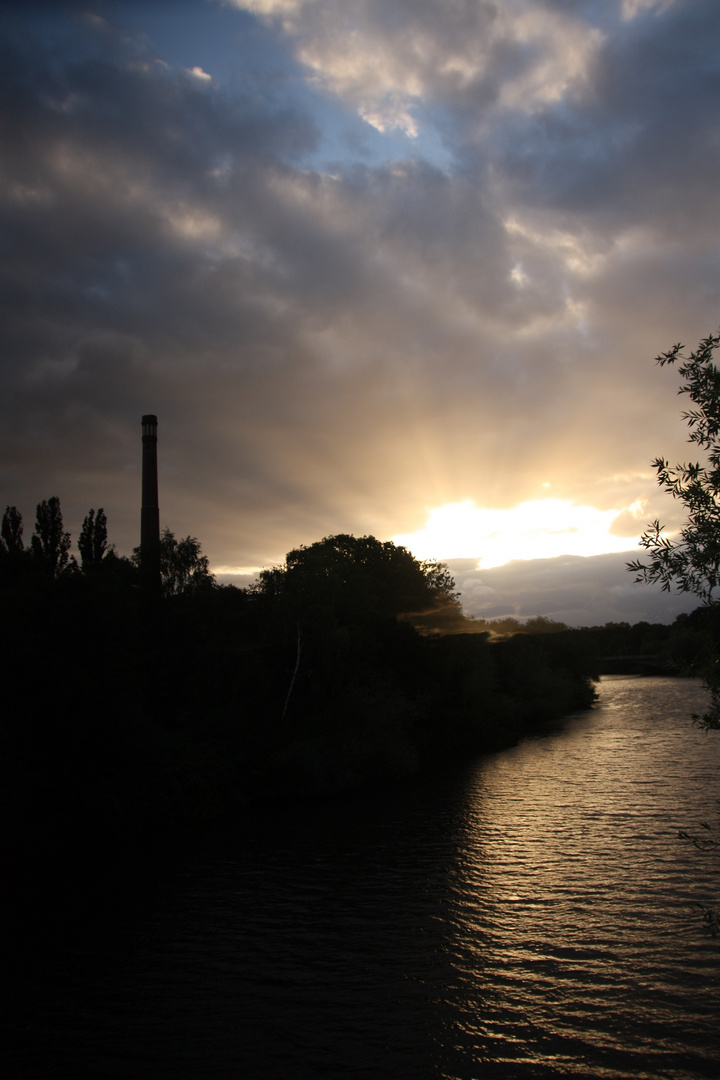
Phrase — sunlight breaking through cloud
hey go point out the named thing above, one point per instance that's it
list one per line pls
(517, 56)
(538, 529)
(363, 259)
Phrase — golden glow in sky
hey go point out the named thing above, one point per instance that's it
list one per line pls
(539, 529)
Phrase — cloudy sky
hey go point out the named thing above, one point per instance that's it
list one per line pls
(397, 267)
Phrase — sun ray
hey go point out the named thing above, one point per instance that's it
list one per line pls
(537, 529)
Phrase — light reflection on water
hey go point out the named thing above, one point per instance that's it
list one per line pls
(575, 893)
(529, 916)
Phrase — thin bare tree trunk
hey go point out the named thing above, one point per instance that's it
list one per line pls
(295, 670)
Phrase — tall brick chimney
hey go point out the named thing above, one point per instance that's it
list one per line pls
(150, 512)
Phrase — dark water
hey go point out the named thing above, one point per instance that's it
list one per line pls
(529, 916)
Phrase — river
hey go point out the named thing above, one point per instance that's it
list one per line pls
(529, 915)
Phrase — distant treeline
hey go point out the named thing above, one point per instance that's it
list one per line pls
(128, 712)
(684, 647)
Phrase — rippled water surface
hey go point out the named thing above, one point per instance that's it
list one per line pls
(528, 916)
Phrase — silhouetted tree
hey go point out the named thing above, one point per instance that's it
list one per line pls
(12, 530)
(692, 563)
(360, 576)
(540, 624)
(330, 600)
(93, 544)
(183, 566)
(50, 543)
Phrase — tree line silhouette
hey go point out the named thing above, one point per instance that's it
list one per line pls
(183, 566)
(129, 713)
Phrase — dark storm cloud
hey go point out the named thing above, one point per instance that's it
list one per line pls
(118, 183)
(332, 346)
(161, 248)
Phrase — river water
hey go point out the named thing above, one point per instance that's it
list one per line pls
(529, 915)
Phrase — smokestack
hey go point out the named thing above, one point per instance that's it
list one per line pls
(150, 512)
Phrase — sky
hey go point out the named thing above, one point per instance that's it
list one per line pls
(388, 267)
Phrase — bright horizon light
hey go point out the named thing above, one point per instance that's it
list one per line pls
(538, 529)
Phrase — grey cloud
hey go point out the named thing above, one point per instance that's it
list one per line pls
(391, 58)
(639, 144)
(106, 309)
(577, 591)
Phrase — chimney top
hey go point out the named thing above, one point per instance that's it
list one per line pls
(149, 424)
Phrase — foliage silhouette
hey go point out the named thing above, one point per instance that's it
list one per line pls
(50, 542)
(11, 540)
(183, 567)
(152, 712)
(692, 563)
(92, 543)
(331, 602)
(359, 576)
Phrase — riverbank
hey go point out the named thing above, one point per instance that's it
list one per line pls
(131, 713)
(195, 730)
